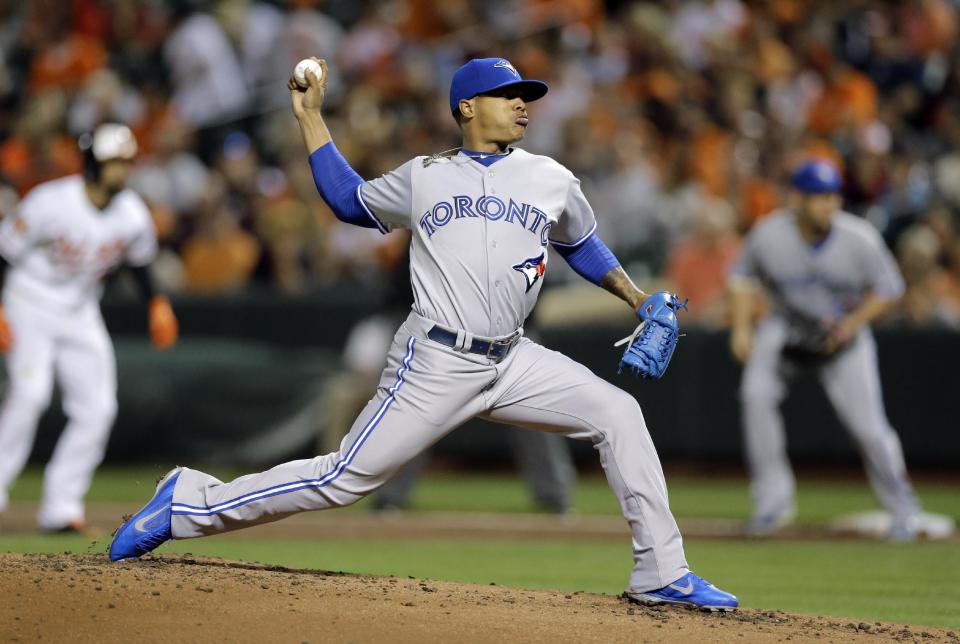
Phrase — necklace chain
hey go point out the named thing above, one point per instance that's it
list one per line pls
(452, 152)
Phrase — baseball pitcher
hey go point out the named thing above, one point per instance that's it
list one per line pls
(65, 238)
(482, 218)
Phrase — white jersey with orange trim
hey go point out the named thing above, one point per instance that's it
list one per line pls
(61, 246)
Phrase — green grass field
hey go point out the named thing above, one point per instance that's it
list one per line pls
(912, 583)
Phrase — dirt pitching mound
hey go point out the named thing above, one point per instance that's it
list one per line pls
(85, 598)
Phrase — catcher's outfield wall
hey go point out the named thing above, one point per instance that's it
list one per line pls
(242, 387)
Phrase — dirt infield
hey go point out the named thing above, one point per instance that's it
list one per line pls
(85, 598)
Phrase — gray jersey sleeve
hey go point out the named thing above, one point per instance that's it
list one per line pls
(389, 199)
(577, 220)
(883, 275)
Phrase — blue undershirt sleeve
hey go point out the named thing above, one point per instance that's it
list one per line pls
(589, 258)
(339, 185)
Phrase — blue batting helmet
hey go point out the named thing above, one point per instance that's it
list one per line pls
(817, 176)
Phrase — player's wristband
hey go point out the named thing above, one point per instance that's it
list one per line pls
(339, 185)
(590, 259)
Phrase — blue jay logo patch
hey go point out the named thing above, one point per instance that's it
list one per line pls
(506, 65)
(532, 269)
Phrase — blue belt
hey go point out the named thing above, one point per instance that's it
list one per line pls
(494, 350)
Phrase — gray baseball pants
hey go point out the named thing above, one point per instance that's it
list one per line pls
(852, 383)
(427, 390)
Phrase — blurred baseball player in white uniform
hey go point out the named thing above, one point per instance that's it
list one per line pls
(828, 275)
(481, 220)
(66, 236)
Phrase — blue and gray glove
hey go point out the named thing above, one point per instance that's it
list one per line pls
(651, 345)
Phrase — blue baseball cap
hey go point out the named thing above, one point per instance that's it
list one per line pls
(482, 75)
(817, 177)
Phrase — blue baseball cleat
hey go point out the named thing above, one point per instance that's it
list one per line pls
(150, 526)
(690, 590)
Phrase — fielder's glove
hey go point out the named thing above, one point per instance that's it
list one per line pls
(651, 345)
(164, 329)
(6, 337)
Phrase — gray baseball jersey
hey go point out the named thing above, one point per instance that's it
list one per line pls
(811, 287)
(480, 233)
(478, 253)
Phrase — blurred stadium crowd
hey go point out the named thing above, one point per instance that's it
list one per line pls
(683, 119)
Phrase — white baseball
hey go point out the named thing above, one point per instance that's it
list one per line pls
(300, 71)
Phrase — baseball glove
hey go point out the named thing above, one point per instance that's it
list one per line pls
(6, 337)
(811, 342)
(164, 329)
(651, 345)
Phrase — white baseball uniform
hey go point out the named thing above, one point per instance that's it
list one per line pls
(806, 285)
(478, 251)
(60, 247)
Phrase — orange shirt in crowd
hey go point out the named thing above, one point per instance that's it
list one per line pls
(773, 61)
(68, 63)
(710, 159)
(538, 13)
(220, 263)
(851, 99)
(758, 197)
(24, 166)
(818, 149)
(423, 20)
(929, 26)
(699, 272)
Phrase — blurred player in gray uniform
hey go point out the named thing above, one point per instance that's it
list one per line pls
(481, 219)
(828, 275)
